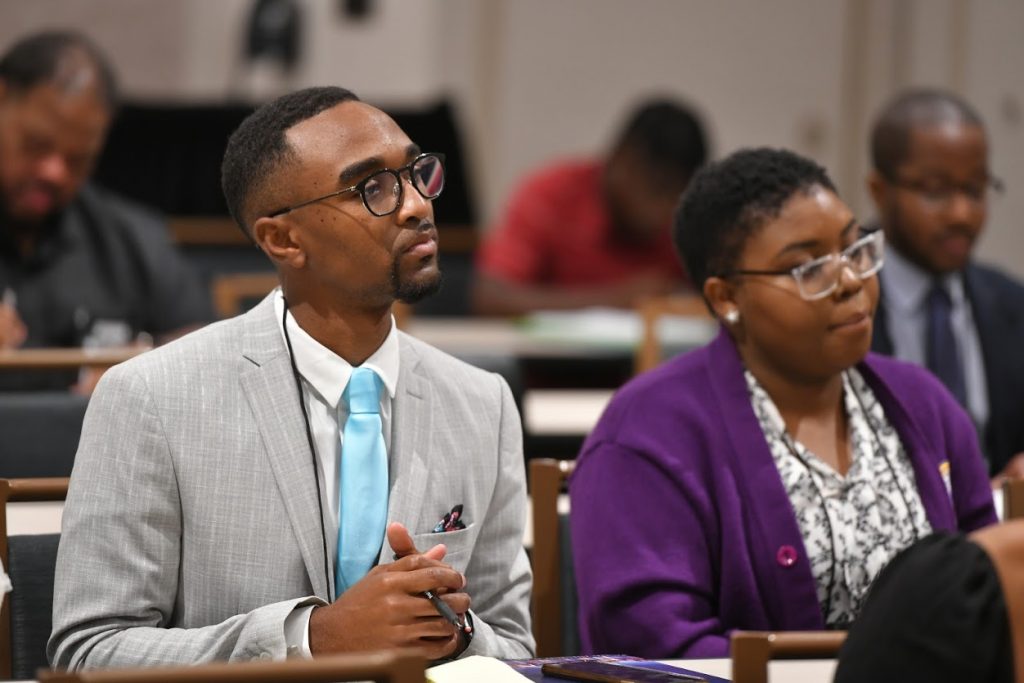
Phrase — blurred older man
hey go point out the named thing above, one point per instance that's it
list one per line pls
(78, 265)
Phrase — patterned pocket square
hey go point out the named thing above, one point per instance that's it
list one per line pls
(452, 521)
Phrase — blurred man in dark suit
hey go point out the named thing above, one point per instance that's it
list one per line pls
(931, 184)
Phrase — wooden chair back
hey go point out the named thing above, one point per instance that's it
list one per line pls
(1013, 499)
(23, 490)
(231, 292)
(652, 310)
(752, 650)
(383, 667)
(548, 479)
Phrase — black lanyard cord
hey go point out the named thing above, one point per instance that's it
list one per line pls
(879, 450)
(312, 448)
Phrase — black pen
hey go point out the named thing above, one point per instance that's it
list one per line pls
(445, 611)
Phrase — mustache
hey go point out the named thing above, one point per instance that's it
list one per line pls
(43, 185)
(959, 230)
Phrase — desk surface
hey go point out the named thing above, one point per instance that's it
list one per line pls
(59, 359)
(787, 671)
(571, 334)
(563, 412)
(792, 671)
(577, 334)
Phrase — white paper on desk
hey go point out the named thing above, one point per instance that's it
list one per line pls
(473, 670)
(612, 327)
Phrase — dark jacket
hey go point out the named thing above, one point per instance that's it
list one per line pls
(997, 303)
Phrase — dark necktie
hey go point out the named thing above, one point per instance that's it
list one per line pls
(943, 355)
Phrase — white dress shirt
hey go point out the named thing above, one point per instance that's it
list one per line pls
(324, 377)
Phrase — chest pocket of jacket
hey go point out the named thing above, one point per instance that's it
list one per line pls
(459, 545)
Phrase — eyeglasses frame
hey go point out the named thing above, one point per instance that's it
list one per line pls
(844, 260)
(992, 183)
(358, 187)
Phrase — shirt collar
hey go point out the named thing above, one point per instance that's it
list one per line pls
(327, 372)
(907, 285)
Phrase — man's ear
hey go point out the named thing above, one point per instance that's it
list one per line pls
(276, 237)
(720, 295)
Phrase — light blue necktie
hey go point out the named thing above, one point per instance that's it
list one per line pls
(363, 489)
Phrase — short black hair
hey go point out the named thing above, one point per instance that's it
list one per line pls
(258, 145)
(918, 108)
(668, 135)
(728, 200)
(57, 58)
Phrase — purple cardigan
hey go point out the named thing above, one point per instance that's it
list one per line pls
(681, 528)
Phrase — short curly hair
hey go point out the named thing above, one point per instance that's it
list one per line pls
(729, 200)
(258, 146)
(668, 135)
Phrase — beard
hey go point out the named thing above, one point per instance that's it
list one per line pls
(27, 233)
(410, 290)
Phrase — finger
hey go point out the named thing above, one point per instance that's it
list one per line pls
(437, 552)
(18, 333)
(459, 602)
(8, 327)
(434, 628)
(412, 563)
(408, 610)
(400, 540)
(429, 578)
(434, 649)
(413, 630)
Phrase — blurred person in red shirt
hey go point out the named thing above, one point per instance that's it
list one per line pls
(595, 232)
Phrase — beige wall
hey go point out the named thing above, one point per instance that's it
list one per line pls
(537, 79)
(994, 82)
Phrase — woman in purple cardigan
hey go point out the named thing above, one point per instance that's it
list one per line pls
(763, 481)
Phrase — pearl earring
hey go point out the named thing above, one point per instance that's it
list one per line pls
(732, 317)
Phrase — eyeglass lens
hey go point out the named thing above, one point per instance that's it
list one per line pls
(821, 276)
(382, 191)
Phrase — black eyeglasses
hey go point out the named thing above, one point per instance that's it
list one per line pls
(940, 194)
(381, 191)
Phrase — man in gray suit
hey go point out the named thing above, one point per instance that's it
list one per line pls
(202, 521)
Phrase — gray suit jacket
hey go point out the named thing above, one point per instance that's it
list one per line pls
(192, 529)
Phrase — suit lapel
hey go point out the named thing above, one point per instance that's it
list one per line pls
(996, 347)
(410, 437)
(269, 386)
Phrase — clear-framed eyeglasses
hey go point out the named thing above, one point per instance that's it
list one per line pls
(818, 278)
(382, 191)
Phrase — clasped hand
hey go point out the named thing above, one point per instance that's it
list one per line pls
(387, 609)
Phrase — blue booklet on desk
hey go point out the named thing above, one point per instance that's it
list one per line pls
(531, 668)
